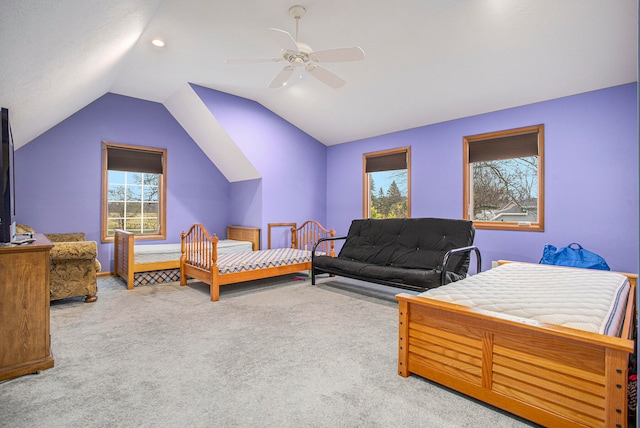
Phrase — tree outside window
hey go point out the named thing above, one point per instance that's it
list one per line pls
(503, 179)
(133, 202)
(386, 180)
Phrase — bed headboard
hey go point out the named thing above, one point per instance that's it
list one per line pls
(241, 233)
(305, 236)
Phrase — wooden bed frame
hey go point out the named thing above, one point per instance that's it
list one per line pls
(123, 253)
(551, 375)
(203, 247)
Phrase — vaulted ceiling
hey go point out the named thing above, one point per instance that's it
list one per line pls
(426, 61)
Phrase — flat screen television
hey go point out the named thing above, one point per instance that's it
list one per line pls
(7, 182)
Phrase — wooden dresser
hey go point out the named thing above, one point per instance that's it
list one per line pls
(25, 343)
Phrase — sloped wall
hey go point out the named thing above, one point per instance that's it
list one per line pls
(59, 174)
(291, 163)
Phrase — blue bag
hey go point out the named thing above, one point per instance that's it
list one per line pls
(573, 257)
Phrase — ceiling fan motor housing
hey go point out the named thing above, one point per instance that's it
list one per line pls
(298, 54)
(298, 58)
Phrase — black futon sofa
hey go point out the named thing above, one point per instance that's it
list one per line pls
(410, 253)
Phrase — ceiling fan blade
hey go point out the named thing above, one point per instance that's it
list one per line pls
(284, 39)
(282, 77)
(251, 60)
(352, 53)
(325, 76)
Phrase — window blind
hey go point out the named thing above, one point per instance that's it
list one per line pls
(123, 159)
(388, 162)
(508, 147)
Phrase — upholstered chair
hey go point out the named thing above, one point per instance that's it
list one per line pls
(74, 266)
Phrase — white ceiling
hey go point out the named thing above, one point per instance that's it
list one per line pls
(427, 61)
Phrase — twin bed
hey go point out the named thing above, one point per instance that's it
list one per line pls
(141, 264)
(547, 343)
(217, 262)
(201, 260)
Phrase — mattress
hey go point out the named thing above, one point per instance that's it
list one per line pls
(240, 262)
(584, 299)
(168, 252)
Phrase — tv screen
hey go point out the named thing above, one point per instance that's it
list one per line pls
(7, 189)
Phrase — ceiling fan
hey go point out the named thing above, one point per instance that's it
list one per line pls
(300, 55)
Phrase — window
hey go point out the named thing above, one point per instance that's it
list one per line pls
(133, 191)
(386, 184)
(503, 179)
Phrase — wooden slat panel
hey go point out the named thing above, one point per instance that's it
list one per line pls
(552, 379)
(470, 354)
(558, 382)
(534, 413)
(422, 323)
(440, 336)
(450, 352)
(447, 366)
(586, 357)
(534, 393)
(539, 398)
(241, 233)
(565, 364)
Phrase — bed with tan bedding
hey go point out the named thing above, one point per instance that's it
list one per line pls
(201, 259)
(547, 343)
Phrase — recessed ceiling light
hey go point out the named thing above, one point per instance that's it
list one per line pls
(157, 42)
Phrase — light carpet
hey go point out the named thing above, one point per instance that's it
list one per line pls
(271, 353)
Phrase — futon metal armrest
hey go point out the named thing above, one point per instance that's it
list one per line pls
(313, 254)
(447, 257)
(319, 241)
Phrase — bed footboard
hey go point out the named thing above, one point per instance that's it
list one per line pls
(548, 374)
(199, 257)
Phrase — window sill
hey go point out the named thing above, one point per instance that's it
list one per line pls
(533, 227)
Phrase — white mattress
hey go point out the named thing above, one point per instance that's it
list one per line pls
(584, 299)
(168, 252)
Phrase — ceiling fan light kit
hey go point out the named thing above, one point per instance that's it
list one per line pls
(300, 55)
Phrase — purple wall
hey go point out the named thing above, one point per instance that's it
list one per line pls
(291, 163)
(245, 203)
(591, 171)
(59, 178)
(591, 175)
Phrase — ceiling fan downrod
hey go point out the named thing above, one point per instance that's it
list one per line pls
(297, 12)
